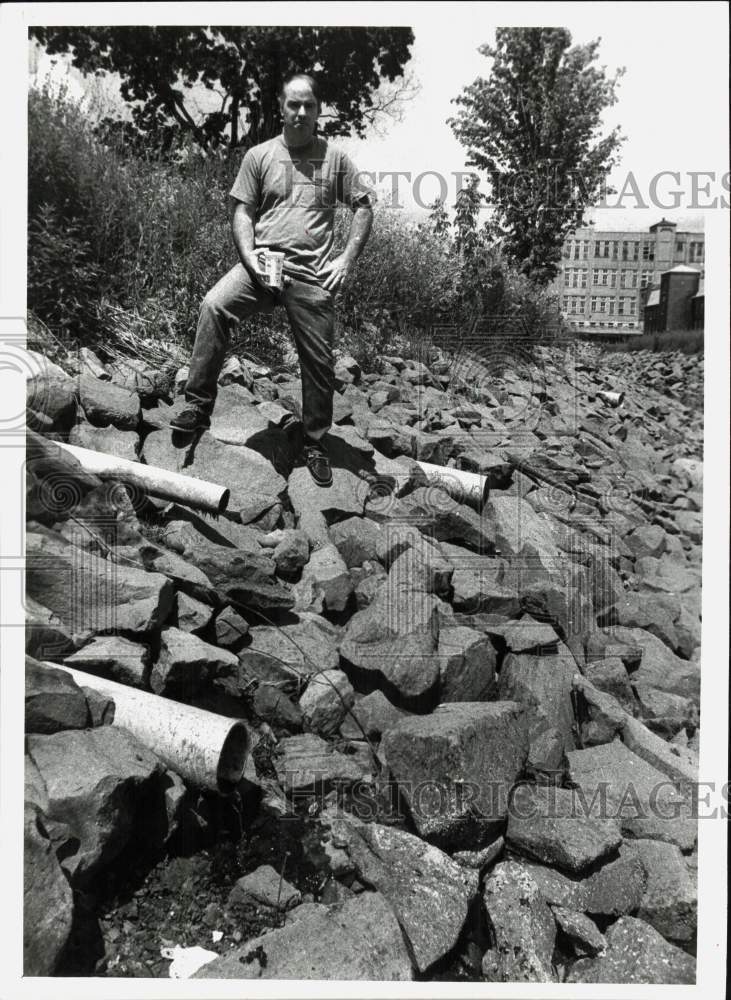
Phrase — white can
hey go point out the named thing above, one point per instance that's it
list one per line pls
(273, 265)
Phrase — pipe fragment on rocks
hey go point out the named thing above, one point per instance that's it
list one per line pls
(159, 482)
(613, 398)
(471, 488)
(205, 749)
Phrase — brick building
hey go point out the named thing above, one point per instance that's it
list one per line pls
(604, 273)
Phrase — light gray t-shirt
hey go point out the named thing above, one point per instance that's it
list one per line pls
(294, 192)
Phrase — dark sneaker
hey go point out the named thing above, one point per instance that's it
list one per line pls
(317, 461)
(191, 420)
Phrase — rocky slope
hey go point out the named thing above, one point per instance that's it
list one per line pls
(481, 722)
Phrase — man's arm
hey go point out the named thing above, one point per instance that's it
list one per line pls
(242, 228)
(360, 228)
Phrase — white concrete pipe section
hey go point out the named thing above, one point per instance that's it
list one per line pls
(160, 482)
(205, 749)
(466, 487)
(613, 398)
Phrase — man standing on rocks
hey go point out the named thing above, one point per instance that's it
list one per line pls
(284, 199)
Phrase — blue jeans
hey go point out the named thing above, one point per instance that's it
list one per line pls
(311, 315)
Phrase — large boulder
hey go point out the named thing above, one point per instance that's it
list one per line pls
(114, 657)
(523, 928)
(609, 890)
(306, 764)
(288, 655)
(659, 667)
(53, 699)
(326, 701)
(517, 524)
(636, 953)
(251, 478)
(186, 663)
(48, 904)
(429, 893)
(46, 636)
(358, 940)
(455, 767)
(51, 402)
(93, 594)
(616, 782)
(103, 786)
(110, 440)
(356, 539)
(242, 577)
(326, 577)
(105, 403)
(670, 900)
(467, 666)
(546, 823)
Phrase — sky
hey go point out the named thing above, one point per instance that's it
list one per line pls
(669, 66)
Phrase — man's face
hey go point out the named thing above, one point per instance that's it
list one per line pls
(299, 109)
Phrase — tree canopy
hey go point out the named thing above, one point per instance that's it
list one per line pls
(534, 127)
(244, 67)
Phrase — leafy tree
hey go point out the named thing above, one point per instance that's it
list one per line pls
(534, 127)
(359, 70)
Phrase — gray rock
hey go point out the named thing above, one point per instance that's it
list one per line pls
(635, 953)
(427, 891)
(659, 667)
(101, 707)
(193, 615)
(114, 657)
(186, 663)
(251, 478)
(100, 784)
(375, 713)
(449, 520)
(628, 789)
(610, 675)
(326, 701)
(527, 634)
(48, 904)
(110, 440)
(288, 655)
(523, 928)
(670, 900)
(51, 402)
(266, 886)
(467, 665)
(543, 685)
(356, 540)
(422, 568)
(291, 552)
(548, 824)
(236, 418)
(105, 403)
(457, 766)
(231, 629)
(615, 888)
(92, 594)
(480, 859)
(663, 712)
(242, 577)
(516, 524)
(647, 540)
(276, 708)
(305, 763)
(53, 699)
(395, 637)
(586, 938)
(46, 637)
(358, 940)
(327, 576)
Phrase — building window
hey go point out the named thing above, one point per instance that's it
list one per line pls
(602, 304)
(646, 278)
(604, 276)
(695, 251)
(576, 277)
(648, 250)
(625, 307)
(679, 246)
(629, 279)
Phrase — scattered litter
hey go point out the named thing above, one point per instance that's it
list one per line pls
(185, 962)
(216, 935)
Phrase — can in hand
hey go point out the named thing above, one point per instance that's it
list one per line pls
(272, 262)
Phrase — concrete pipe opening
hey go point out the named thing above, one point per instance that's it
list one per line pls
(232, 761)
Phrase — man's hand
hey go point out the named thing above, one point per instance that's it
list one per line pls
(337, 271)
(254, 263)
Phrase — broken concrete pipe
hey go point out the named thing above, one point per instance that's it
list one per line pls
(613, 398)
(205, 749)
(470, 488)
(159, 482)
